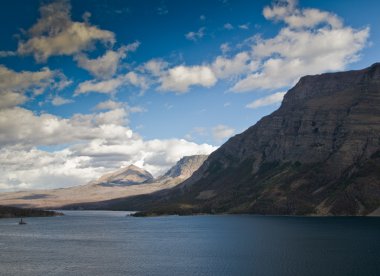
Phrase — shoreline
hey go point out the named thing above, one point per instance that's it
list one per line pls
(15, 212)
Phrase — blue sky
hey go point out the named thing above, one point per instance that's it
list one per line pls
(90, 86)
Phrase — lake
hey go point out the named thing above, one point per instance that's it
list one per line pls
(109, 243)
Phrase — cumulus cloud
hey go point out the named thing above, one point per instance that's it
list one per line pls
(76, 165)
(268, 100)
(20, 81)
(58, 100)
(56, 34)
(15, 86)
(178, 78)
(228, 26)
(7, 53)
(31, 169)
(244, 26)
(194, 36)
(93, 143)
(111, 86)
(47, 129)
(156, 67)
(300, 18)
(241, 63)
(225, 47)
(312, 42)
(105, 66)
(220, 132)
(11, 99)
(108, 105)
(181, 77)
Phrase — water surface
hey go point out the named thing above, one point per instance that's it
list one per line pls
(109, 243)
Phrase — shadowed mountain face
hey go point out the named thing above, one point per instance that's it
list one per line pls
(319, 153)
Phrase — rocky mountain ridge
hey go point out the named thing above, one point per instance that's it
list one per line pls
(318, 154)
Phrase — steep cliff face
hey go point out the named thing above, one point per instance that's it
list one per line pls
(319, 153)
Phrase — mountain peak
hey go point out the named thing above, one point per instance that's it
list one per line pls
(130, 175)
(185, 167)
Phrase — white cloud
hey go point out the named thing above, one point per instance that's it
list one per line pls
(14, 86)
(105, 66)
(20, 81)
(244, 26)
(112, 85)
(180, 78)
(31, 169)
(56, 34)
(136, 109)
(57, 100)
(300, 18)
(225, 47)
(224, 67)
(156, 67)
(194, 36)
(108, 105)
(37, 169)
(47, 129)
(220, 132)
(7, 53)
(11, 99)
(228, 26)
(93, 144)
(312, 42)
(268, 100)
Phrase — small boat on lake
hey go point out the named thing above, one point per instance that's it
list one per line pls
(21, 222)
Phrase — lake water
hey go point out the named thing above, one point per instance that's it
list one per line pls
(109, 243)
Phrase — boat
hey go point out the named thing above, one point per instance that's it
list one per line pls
(21, 222)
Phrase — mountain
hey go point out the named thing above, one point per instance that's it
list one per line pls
(130, 175)
(184, 168)
(126, 182)
(318, 154)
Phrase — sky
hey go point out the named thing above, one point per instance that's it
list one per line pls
(87, 87)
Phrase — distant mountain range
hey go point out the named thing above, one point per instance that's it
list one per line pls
(318, 154)
(129, 181)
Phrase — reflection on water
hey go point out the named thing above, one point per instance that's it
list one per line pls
(112, 243)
